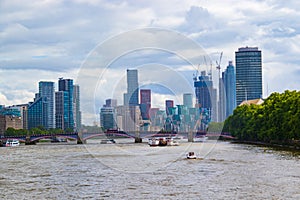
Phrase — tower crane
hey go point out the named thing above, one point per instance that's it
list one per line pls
(219, 63)
(197, 73)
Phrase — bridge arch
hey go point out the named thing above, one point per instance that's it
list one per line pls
(108, 135)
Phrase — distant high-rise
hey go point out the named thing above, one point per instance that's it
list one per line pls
(64, 104)
(108, 118)
(145, 96)
(169, 106)
(188, 100)
(206, 98)
(132, 87)
(46, 89)
(41, 111)
(230, 89)
(111, 103)
(248, 74)
(76, 108)
(37, 112)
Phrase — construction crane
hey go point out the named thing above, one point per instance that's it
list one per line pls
(210, 70)
(197, 73)
(219, 64)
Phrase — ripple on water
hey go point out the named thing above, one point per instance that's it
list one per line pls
(229, 171)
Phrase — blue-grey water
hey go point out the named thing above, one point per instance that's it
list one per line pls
(136, 171)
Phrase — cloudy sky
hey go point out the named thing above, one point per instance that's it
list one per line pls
(95, 41)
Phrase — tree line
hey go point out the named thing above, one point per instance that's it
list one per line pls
(40, 130)
(274, 121)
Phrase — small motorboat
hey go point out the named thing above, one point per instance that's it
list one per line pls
(172, 142)
(108, 141)
(12, 143)
(191, 155)
(153, 142)
(200, 139)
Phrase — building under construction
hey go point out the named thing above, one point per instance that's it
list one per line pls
(206, 99)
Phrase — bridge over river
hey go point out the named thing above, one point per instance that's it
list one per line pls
(81, 138)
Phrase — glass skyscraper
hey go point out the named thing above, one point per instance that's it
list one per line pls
(248, 74)
(145, 103)
(230, 89)
(132, 87)
(76, 108)
(46, 89)
(41, 111)
(206, 99)
(188, 100)
(64, 104)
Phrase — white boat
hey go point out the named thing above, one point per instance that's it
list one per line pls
(153, 142)
(108, 141)
(12, 143)
(200, 138)
(191, 155)
(172, 142)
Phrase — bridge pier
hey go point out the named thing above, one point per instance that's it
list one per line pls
(28, 142)
(190, 136)
(137, 138)
(79, 139)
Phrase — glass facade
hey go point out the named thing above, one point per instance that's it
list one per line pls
(41, 111)
(206, 99)
(64, 104)
(169, 107)
(230, 89)
(188, 100)
(145, 103)
(37, 113)
(108, 118)
(46, 89)
(248, 74)
(132, 87)
(76, 108)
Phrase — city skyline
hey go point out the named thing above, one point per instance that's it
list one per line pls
(40, 43)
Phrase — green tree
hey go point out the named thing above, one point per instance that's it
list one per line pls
(276, 120)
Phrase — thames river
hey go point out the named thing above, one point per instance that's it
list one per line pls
(136, 171)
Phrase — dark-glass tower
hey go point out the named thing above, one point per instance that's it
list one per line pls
(145, 103)
(132, 87)
(41, 111)
(248, 74)
(230, 89)
(64, 104)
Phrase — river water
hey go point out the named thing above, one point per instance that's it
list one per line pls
(136, 171)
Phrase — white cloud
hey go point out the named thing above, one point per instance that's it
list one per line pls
(49, 39)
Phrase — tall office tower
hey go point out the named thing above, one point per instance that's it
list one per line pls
(76, 108)
(230, 89)
(64, 104)
(41, 111)
(206, 98)
(248, 74)
(188, 100)
(222, 99)
(169, 106)
(46, 89)
(145, 105)
(111, 103)
(132, 87)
